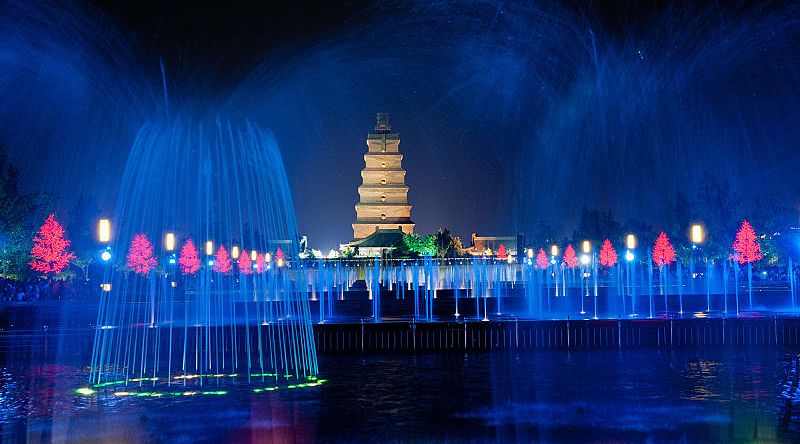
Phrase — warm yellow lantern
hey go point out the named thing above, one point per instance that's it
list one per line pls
(104, 231)
(169, 242)
(697, 234)
(630, 242)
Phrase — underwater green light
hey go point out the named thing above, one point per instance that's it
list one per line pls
(123, 391)
(85, 391)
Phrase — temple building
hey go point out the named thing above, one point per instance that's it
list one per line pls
(382, 212)
(488, 245)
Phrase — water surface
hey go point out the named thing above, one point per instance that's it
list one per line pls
(630, 395)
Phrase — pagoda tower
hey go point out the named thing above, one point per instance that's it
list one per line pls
(383, 194)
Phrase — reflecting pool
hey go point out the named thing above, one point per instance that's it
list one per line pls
(697, 395)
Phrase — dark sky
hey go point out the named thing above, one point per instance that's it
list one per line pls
(510, 113)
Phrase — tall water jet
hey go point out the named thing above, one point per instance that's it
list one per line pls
(791, 281)
(184, 308)
(679, 277)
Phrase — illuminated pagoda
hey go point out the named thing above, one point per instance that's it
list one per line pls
(383, 209)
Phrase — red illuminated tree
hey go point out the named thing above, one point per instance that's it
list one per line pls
(279, 255)
(222, 261)
(245, 264)
(189, 259)
(140, 255)
(663, 253)
(49, 252)
(261, 263)
(570, 258)
(608, 255)
(748, 251)
(542, 260)
(501, 252)
(747, 248)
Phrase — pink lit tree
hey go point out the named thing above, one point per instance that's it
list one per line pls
(49, 253)
(140, 255)
(189, 259)
(222, 261)
(663, 255)
(570, 258)
(748, 250)
(663, 252)
(501, 252)
(542, 261)
(245, 264)
(608, 255)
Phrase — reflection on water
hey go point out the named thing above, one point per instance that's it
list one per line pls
(632, 395)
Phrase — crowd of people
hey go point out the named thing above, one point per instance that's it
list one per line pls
(37, 290)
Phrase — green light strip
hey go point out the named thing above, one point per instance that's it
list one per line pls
(89, 391)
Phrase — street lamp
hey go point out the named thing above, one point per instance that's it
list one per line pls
(697, 234)
(530, 253)
(630, 244)
(586, 247)
(253, 255)
(104, 231)
(235, 252)
(209, 248)
(169, 242)
(553, 255)
(104, 237)
(630, 241)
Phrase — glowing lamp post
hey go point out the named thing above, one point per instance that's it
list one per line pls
(586, 248)
(169, 242)
(104, 231)
(210, 252)
(235, 252)
(104, 237)
(169, 247)
(698, 234)
(553, 256)
(630, 244)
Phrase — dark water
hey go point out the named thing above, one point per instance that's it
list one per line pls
(630, 396)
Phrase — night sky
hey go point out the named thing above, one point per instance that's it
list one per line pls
(509, 113)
